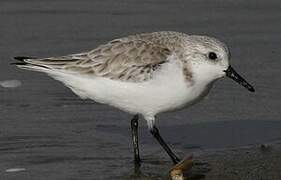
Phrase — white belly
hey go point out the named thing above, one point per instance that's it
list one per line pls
(167, 91)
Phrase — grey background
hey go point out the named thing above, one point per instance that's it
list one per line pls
(55, 135)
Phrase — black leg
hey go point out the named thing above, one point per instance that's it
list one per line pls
(155, 132)
(134, 127)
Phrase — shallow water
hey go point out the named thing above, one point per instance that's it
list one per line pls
(54, 135)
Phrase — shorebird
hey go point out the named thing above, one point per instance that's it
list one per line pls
(143, 74)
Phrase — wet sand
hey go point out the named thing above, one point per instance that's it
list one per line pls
(51, 134)
(256, 162)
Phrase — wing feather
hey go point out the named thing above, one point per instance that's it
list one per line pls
(133, 58)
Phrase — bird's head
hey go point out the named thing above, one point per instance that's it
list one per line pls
(209, 60)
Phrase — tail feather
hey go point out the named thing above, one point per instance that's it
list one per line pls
(29, 63)
(20, 60)
(47, 64)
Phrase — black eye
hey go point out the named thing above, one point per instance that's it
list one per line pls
(212, 56)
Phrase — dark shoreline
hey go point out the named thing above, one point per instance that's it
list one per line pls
(247, 163)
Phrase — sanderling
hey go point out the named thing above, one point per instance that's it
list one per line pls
(143, 74)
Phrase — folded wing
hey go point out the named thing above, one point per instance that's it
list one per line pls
(125, 59)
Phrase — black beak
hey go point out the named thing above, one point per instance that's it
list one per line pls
(231, 73)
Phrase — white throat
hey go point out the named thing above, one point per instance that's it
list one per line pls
(205, 74)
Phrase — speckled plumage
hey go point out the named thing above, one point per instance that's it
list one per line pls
(133, 58)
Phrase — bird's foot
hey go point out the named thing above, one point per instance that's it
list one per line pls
(137, 165)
